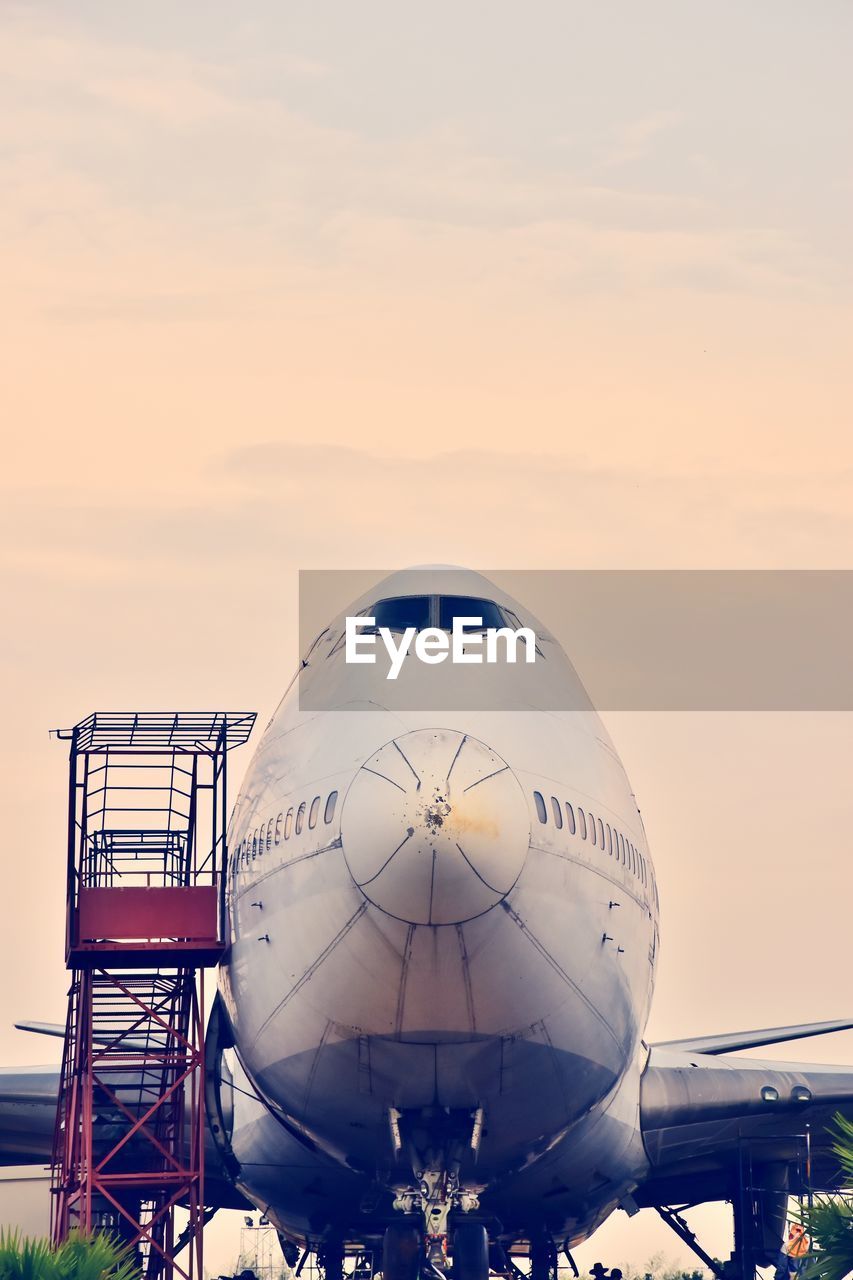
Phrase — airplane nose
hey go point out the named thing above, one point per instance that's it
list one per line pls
(435, 828)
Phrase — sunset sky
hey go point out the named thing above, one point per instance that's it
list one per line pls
(362, 285)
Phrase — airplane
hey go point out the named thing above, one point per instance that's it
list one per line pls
(427, 1045)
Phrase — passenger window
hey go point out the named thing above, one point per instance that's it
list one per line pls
(558, 812)
(254, 844)
(600, 833)
(300, 817)
(582, 821)
(315, 809)
(278, 828)
(288, 824)
(592, 828)
(609, 840)
(269, 835)
(570, 818)
(541, 811)
(329, 811)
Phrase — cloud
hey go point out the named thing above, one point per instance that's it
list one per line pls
(262, 511)
(165, 151)
(635, 137)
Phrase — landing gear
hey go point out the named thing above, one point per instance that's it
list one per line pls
(470, 1252)
(403, 1250)
(289, 1250)
(543, 1257)
(498, 1260)
(331, 1258)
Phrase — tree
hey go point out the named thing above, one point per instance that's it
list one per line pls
(659, 1267)
(96, 1257)
(829, 1221)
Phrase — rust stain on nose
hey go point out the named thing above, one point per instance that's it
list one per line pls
(474, 823)
(459, 819)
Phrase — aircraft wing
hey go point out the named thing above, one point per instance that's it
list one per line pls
(27, 1114)
(702, 1117)
(737, 1041)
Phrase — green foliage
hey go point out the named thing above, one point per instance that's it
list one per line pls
(25, 1259)
(96, 1257)
(843, 1146)
(829, 1221)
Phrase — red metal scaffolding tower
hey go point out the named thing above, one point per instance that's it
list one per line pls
(145, 916)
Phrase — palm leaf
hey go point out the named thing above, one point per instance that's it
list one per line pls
(80, 1257)
(829, 1220)
(22, 1258)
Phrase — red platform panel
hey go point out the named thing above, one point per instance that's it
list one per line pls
(142, 913)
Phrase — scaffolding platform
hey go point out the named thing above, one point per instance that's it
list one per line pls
(146, 868)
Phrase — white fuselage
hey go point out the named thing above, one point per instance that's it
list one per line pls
(409, 938)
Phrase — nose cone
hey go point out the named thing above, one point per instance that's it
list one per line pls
(435, 828)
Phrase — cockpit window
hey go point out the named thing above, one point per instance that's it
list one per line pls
(450, 607)
(402, 612)
(398, 613)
